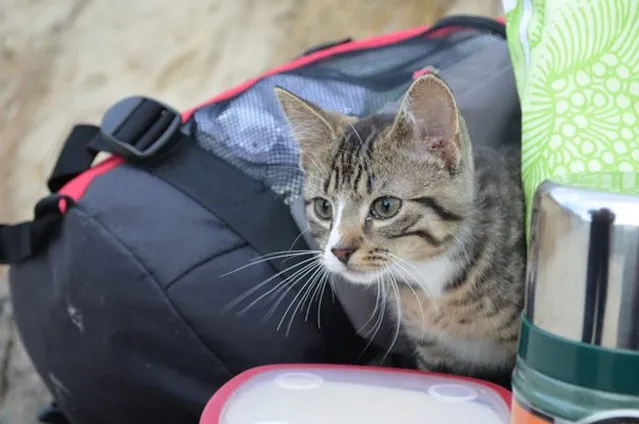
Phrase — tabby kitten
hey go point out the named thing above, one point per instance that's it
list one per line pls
(405, 198)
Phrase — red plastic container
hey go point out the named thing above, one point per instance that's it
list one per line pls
(334, 394)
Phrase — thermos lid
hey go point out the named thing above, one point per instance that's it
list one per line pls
(583, 260)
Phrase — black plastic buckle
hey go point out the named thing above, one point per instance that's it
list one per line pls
(137, 128)
(52, 415)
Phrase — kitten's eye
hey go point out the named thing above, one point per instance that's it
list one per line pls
(385, 207)
(323, 208)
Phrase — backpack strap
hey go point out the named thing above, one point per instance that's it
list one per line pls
(469, 21)
(52, 415)
(21, 241)
(75, 157)
(147, 135)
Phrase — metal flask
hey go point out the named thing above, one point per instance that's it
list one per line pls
(583, 264)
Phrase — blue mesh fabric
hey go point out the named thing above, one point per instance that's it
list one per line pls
(250, 132)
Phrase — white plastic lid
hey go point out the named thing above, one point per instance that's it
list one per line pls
(353, 395)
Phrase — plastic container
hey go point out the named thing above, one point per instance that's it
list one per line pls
(329, 394)
(578, 359)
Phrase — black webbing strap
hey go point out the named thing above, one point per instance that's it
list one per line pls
(145, 133)
(21, 241)
(75, 157)
(467, 21)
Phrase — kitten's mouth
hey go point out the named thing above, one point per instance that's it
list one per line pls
(359, 277)
(351, 273)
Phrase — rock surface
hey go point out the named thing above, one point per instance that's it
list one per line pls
(66, 61)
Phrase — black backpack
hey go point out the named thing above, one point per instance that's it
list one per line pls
(123, 285)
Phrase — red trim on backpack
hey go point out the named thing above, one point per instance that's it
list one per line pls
(355, 45)
(362, 44)
(212, 412)
(78, 186)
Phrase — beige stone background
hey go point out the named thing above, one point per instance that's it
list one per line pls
(65, 61)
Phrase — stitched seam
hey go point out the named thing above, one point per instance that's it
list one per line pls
(174, 308)
(192, 202)
(195, 266)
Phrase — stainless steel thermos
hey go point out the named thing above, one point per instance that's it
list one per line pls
(578, 358)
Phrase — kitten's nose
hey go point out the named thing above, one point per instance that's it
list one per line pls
(343, 254)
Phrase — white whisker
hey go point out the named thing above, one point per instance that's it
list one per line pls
(422, 309)
(397, 261)
(313, 288)
(287, 287)
(308, 228)
(325, 282)
(356, 133)
(306, 289)
(284, 252)
(270, 257)
(290, 282)
(332, 290)
(297, 295)
(399, 318)
(382, 314)
(379, 319)
(318, 285)
(372, 316)
(255, 288)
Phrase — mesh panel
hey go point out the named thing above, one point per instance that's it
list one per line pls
(250, 131)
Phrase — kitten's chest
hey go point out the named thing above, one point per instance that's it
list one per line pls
(427, 310)
(426, 319)
(451, 327)
(424, 316)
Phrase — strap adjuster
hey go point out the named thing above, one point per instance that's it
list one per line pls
(137, 127)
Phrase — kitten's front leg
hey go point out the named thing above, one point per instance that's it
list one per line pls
(429, 356)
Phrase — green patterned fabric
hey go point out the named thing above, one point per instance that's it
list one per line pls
(576, 64)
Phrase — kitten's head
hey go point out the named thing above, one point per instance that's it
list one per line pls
(385, 189)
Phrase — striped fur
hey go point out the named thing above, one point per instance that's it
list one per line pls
(456, 246)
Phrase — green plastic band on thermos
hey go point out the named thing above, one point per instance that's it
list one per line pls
(579, 364)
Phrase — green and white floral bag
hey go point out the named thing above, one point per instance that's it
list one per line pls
(576, 64)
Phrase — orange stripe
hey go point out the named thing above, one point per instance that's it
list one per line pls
(520, 415)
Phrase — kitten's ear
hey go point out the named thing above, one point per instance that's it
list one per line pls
(312, 126)
(429, 119)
